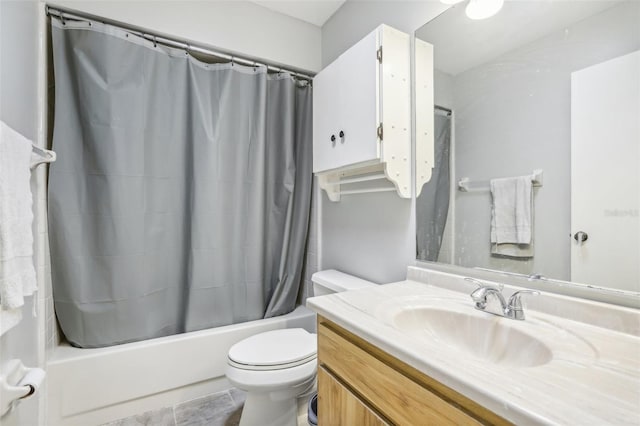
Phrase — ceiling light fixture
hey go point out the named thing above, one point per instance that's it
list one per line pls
(479, 9)
(482, 9)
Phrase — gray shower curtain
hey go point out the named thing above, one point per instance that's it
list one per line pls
(432, 206)
(180, 199)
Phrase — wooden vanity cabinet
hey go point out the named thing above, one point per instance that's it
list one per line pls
(341, 406)
(359, 384)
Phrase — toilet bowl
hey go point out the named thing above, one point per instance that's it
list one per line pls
(277, 367)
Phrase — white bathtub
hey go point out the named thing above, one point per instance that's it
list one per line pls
(94, 386)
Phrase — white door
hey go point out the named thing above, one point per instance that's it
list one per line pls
(359, 99)
(605, 174)
(326, 106)
(345, 108)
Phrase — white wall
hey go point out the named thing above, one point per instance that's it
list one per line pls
(357, 18)
(443, 89)
(369, 235)
(513, 116)
(19, 74)
(234, 26)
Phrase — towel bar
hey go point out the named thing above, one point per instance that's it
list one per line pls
(466, 185)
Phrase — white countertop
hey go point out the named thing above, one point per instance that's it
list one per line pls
(593, 377)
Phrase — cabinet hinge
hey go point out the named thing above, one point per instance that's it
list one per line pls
(379, 54)
(380, 131)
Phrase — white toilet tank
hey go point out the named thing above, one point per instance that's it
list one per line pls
(332, 281)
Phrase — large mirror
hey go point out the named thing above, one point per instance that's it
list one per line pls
(547, 95)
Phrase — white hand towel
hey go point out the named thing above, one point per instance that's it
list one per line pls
(512, 216)
(17, 273)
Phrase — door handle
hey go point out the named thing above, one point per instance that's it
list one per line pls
(581, 236)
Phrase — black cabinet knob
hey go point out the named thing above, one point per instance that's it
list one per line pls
(581, 236)
(341, 134)
(333, 138)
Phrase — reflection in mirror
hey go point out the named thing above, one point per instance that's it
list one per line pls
(548, 86)
(433, 202)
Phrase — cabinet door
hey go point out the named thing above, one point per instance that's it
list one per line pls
(338, 406)
(359, 102)
(398, 395)
(325, 118)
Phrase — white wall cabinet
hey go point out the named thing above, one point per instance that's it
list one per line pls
(362, 117)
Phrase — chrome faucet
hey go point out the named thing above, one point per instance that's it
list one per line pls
(514, 305)
(484, 294)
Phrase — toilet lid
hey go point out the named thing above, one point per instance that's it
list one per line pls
(275, 349)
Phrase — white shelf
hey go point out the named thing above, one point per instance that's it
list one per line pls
(364, 179)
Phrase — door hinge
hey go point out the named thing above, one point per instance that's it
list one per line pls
(379, 54)
(380, 131)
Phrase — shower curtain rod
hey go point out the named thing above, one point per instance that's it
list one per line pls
(63, 14)
(442, 109)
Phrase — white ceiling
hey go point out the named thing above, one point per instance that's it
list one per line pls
(315, 12)
(461, 43)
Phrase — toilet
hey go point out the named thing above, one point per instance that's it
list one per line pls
(277, 367)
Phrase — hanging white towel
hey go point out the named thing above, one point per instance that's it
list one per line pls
(17, 273)
(512, 217)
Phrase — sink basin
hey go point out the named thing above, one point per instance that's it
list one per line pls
(490, 338)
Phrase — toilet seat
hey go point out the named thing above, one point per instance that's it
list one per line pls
(292, 379)
(274, 350)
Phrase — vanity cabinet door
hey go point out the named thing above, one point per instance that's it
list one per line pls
(338, 406)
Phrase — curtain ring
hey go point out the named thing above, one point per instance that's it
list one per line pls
(232, 60)
(62, 18)
(155, 43)
(255, 66)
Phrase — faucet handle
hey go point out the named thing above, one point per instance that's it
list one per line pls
(480, 284)
(479, 295)
(515, 303)
(474, 281)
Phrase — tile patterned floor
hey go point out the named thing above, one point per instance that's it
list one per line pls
(219, 409)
